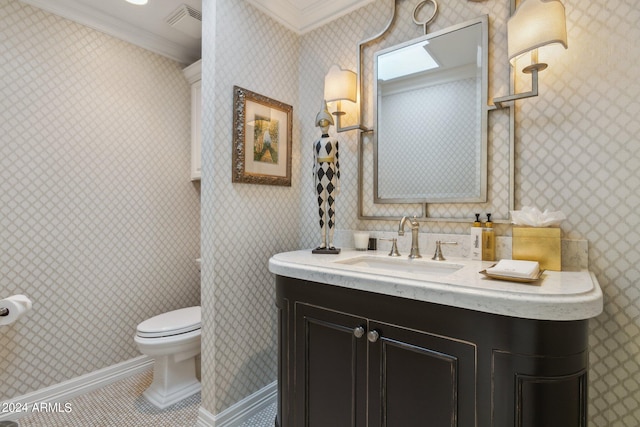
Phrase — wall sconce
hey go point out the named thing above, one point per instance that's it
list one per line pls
(535, 23)
(340, 85)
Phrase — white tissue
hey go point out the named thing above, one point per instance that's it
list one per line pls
(532, 217)
(17, 305)
(515, 268)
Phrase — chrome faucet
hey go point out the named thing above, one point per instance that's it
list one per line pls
(415, 228)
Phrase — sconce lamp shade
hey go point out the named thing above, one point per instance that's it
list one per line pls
(534, 24)
(340, 85)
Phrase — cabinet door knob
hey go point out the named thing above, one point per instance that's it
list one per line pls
(373, 336)
(358, 332)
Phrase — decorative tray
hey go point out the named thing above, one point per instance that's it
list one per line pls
(511, 278)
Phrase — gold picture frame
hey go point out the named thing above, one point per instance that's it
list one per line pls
(262, 133)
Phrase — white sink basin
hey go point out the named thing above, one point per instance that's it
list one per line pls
(405, 265)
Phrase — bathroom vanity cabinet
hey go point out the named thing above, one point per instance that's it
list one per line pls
(357, 357)
(354, 358)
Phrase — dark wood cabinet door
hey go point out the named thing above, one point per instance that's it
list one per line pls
(331, 364)
(419, 379)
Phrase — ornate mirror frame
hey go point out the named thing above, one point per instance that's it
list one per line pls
(364, 136)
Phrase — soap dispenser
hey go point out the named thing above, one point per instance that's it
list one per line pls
(488, 241)
(476, 239)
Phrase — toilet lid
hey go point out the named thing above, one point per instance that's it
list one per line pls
(172, 323)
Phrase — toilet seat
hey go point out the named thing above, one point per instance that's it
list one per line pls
(175, 322)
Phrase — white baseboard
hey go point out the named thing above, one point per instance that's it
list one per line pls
(238, 413)
(77, 386)
(205, 418)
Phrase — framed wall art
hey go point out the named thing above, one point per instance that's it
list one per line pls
(262, 131)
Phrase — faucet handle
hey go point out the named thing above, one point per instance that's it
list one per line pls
(438, 255)
(394, 246)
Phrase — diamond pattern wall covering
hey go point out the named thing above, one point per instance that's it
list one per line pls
(578, 148)
(243, 224)
(99, 223)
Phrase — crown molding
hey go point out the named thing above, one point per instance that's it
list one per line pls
(107, 24)
(304, 16)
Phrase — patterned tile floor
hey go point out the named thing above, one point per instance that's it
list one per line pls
(121, 404)
(265, 418)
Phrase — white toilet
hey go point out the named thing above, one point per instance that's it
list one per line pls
(173, 340)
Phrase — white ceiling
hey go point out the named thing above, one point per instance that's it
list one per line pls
(145, 26)
(305, 15)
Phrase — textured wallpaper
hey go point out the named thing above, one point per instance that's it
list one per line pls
(99, 223)
(578, 149)
(243, 224)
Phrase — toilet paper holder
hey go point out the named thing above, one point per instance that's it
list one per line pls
(13, 308)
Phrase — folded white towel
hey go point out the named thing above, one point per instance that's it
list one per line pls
(515, 268)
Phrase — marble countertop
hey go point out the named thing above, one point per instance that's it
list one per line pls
(566, 295)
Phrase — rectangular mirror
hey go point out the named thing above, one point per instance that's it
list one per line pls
(430, 140)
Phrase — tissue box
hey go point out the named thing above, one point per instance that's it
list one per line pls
(538, 244)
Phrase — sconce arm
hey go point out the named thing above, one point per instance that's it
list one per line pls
(357, 126)
(533, 69)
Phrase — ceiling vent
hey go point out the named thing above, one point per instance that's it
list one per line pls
(188, 20)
